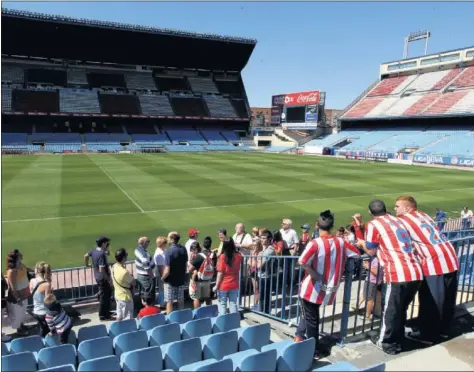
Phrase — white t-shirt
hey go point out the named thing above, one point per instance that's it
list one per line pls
(159, 258)
(466, 214)
(188, 245)
(244, 239)
(290, 237)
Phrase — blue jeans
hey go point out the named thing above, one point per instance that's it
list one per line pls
(232, 296)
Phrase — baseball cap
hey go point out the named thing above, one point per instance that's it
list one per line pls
(193, 232)
(306, 226)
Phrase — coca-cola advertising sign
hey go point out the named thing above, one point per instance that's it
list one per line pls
(303, 98)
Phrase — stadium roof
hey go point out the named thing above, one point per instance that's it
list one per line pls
(55, 36)
(428, 55)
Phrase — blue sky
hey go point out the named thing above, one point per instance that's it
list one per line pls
(332, 47)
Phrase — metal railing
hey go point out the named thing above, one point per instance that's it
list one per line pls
(273, 292)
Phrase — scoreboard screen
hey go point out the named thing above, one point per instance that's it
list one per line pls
(296, 114)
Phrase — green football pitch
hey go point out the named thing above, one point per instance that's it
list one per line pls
(54, 207)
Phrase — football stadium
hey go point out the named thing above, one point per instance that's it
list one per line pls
(99, 142)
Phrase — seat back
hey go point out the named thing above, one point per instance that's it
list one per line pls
(197, 328)
(254, 337)
(95, 348)
(263, 361)
(63, 368)
(180, 353)
(297, 356)
(227, 322)
(180, 316)
(54, 356)
(151, 321)
(20, 362)
(376, 368)
(217, 366)
(130, 341)
(55, 340)
(5, 350)
(209, 311)
(89, 333)
(144, 360)
(32, 343)
(164, 334)
(122, 326)
(219, 345)
(104, 364)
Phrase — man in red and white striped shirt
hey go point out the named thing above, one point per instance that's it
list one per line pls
(437, 295)
(387, 237)
(323, 261)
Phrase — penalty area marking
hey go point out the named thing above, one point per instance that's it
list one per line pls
(223, 206)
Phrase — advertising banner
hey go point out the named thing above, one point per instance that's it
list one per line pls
(278, 100)
(370, 156)
(300, 126)
(302, 98)
(275, 116)
(444, 160)
(311, 115)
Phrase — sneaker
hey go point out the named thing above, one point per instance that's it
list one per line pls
(416, 336)
(387, 349)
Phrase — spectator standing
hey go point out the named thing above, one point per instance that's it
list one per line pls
(123, 286)
(222, 235)
(289, 235)
(40, 286)
(100, 266)
(242, 240)
(193, 235)
(440, 219)
(305, 238)
(5, 338)
(280, 245)
(387, 237)
(323, 262)
(148, 308)
(18, 291)
(174, 274)
(145, 267)
(267, 271)
(227, 285)
(466, 216)
(159, 259)
(373, 285)
(359, 226)
(255, 232)
(439, 262)
(252, 264)
(201, 274)
(58, 321)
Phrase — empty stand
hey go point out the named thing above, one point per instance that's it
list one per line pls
(13, 74)
(140, 80)
(240, 108)
(231, 87)
(202, 85)
(230, 135)
(171, 83)
(447, 78)
(47, 75)
(362, 108)
(465, 78)
(421, 104)
(464, 106)
(155, 105)
(80, 101)
(119, 104)
(35, 100)
(220, 106)
(369, 139)
(461, 144)
(14, 138)
(387, 86)
(106, 79)
(382, 107)
(6, 99)
(106, 137)
(408, 140)
(445, 102)
(427, 81)
(188, 106)
(335, 138)
(213, 136)
(77, 76)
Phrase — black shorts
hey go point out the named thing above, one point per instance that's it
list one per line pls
(370, 290)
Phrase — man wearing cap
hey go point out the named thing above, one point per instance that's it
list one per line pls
(101, 270)
(145, 266)
(305, 238)
(193, 235)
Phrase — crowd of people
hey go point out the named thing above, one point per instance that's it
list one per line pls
(410, 256)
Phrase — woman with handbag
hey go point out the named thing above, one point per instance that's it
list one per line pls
(18, 291)
(40, 287)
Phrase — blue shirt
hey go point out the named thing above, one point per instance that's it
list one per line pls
(99, 259)
(176, 257)
(440, 216)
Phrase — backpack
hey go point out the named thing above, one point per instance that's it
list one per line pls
(206, 271)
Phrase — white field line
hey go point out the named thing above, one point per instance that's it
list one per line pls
(120, 188)
(227, 206)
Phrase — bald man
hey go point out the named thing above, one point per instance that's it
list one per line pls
(145, 266)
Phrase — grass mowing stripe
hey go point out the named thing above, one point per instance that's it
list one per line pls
(118, 186)
(232, 205)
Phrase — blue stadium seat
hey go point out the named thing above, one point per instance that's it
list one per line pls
(209, 311)
(104, 364)
(196, 328)
(293, 356)
(130, 341)
(55, 340)
(227, 322)
(89, 333)
(253, 360)
(164, 334)
(180, 316)
(151, 321)
(20, 362)
(95, 348)
(376, 368)
(63, 368)
(254, 337)
(32, 343)
(5, 350)
(338, 367)
(56, 356)
(180, 353)
(210, 365)
(122, 326)
(218, 345)
(144, 360)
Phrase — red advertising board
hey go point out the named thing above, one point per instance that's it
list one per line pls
(302, 98)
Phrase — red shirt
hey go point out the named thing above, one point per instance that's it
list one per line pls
(437, 255)
(149, 310)
(394, 249)
(327, 256)
(230, 277)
